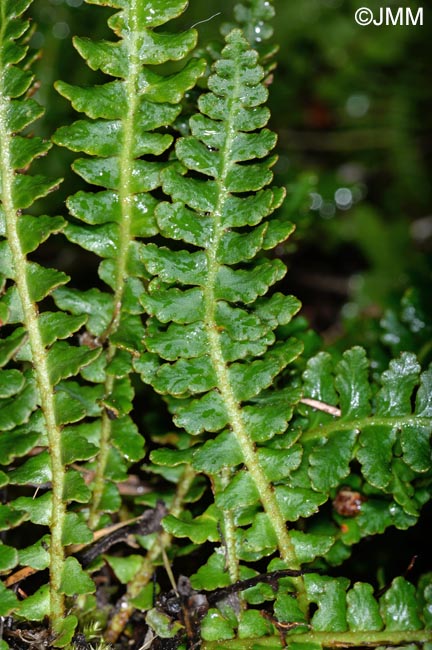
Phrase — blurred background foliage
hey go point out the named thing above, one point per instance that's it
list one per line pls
(352, 107)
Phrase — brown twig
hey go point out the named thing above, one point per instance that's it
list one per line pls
(270, 578)
(148, 522)
(321, 406)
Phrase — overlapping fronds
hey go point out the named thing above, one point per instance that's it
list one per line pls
(363, 445)
(213, 352)
(282, 459)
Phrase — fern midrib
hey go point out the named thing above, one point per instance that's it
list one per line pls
(326, 430)
(39, 361)
(126, 159)
(126, 168)
(232, 405)
(369, 638)
(228, 526)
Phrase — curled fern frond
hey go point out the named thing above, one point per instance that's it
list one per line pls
(124, 130)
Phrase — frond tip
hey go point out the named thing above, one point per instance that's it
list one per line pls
(228, 152)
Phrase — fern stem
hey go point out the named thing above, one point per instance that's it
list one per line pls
(229, 529)
(125, 237)
(327, 639)
(326, 430)
(126, 163)
(40, 365)
(251, 461)
(220, 366)
(125, 607)
(102, 459)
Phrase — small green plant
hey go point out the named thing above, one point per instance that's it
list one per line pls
(270, 430)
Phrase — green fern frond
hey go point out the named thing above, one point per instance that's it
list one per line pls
(345, 615)
(126, 127)
(218, 330)
(37, 398)
(387, 431)
(284, 458)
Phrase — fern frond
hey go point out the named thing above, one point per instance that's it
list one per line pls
(217, 332)
(253, 16)
(124, 131)
(35, 389)
(387, 432)
(345, 616)
(254, 19)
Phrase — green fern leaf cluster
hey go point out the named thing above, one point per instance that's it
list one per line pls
(215, 353)
(270, 437)
(376, 444)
